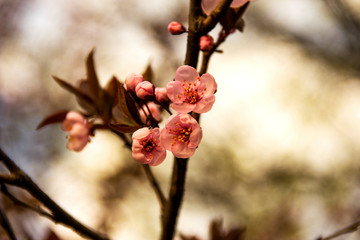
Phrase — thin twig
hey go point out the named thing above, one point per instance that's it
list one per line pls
(348, 229)
(214, 17)
(155, 185)
(4, 221)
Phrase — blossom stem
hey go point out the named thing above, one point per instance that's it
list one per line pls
(163, 106)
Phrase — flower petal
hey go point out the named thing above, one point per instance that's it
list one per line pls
(141, 133)
(182, 107)
(207, 84)
(175, 91)
(209, 5)
(195, 137)
(187, 73)
(158, 156)
(205, 104)
(182, 151)
(238, 3)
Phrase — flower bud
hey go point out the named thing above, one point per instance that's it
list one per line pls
(176, 28)
(145, 90)
(132, 80)
(206, 43)
(161, 95)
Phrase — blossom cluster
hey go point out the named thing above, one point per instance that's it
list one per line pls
(182, 134)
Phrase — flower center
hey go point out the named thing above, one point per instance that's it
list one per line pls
(149, 145)
(191, 91)
(180, 134)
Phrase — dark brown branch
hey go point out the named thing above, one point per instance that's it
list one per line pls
(58, 214)
(348, 229)
(4, 221)
(175, 198)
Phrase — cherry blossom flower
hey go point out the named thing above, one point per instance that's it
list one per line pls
(181, 135)
(145, 90)
(206, 43)
(154, 109)
(176, 28)
(132, 80)
(146, 148)
(190, 92)
(209, 5)
(78, 128)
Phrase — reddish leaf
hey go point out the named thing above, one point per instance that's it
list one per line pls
(123, 128)
(77, 92)
(148, 73)
(53, 118)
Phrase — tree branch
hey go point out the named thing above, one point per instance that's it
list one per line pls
(348, 229)
(4, 221)
(210, 21)
(58, 214)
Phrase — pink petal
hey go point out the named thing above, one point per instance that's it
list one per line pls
(165, 139)
(187, 73)
(182, 151)
(79, 130)
(238, 3)
(77, 144)
(139, 157)
(141, 133)
(207, 82)
(159, 155)
(209, 5)
(175, 90)
(182, 107)
(205, 104)
(195, 137)
(187, 121)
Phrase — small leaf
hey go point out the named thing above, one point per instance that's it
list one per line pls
(53, 118)
(123, 128)
(148, 73)
(77, 92)
(92, 79)
(89, 108)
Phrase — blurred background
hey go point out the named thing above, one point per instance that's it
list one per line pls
(280, 153)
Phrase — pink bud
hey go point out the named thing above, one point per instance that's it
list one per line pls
(206, 43)
(154, 110)
(145, 90)
(176, 28)
(161, 95)
(132, 80)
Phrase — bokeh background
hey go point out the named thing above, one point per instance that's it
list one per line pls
(280, 153)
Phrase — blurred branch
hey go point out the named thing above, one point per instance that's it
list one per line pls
(214, 17)
(155, 185)
(348, 229)
(58, 215)
(4, 221)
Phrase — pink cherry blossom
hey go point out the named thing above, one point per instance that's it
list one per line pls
(78, 128)
(154, 109)
(176, 28)
(146, 148)
(190, 92)
(132, 80)
(161, 95)
(145, 90)
(181, 135)
(209, 5)
(206, 43)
